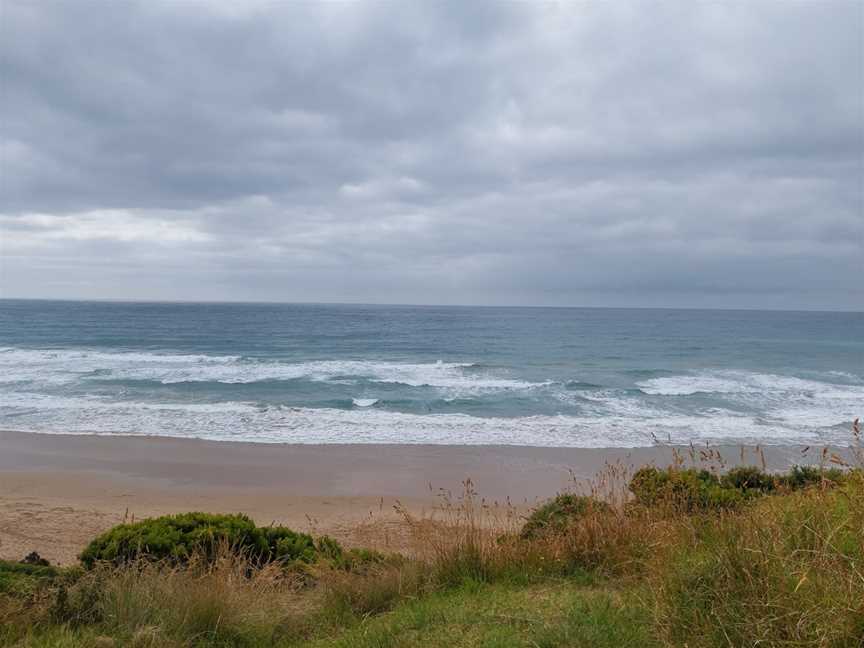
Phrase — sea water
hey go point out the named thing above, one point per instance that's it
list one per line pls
(302, 373)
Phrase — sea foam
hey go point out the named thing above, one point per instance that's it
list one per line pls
(67, 366)
(278, 424)
(232, 397)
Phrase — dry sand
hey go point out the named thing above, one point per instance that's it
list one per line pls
(58, 491)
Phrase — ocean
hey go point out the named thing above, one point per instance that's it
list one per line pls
(304, 373)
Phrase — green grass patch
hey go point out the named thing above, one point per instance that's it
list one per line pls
(504, 616)
(18, 579)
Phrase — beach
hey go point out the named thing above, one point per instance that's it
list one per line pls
(58, 491)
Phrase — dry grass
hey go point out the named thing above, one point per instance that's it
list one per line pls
(224, 602)
(787, 572)
(785, 569)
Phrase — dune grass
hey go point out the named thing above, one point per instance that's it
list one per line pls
(504, 614)
(699, 560)
(473, 614)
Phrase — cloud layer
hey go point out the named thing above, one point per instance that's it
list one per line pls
(631, 154)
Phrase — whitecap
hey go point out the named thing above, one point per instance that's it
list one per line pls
(63, 366)
(249, 422)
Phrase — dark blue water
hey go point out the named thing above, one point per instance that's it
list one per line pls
(406, 374)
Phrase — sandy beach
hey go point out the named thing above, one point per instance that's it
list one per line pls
(58, 491)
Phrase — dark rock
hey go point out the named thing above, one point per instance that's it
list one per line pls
(33, 558)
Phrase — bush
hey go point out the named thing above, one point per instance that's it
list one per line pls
(686, 489)
(691, 490)
(746, 478)
(353, 560)
(175, 538)
(803, 476)
(559, 513)
(23, 578)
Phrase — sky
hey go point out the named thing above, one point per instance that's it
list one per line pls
(589, 154)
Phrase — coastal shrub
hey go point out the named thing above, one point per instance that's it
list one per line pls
(684, 489)
(651, 485)
(559, 513)
(692, 490)
(22, 579)
(803, 476)
(746, 478)
(353, 560)
(175, 538)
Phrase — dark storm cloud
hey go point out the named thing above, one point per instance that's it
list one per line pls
(646, 154)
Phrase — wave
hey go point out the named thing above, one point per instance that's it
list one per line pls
(63, 366)
(43, 390)
(788, 399)
(742, 382)
(69, 366)
(241, 421)
(580, 385)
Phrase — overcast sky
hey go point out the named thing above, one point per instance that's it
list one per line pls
(622, 154)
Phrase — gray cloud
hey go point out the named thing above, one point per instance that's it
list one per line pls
(637, 154)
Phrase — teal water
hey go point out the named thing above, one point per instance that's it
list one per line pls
(406, 374)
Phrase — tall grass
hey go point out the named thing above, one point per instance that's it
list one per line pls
(226, 601)
(784, 567)
(786, 572)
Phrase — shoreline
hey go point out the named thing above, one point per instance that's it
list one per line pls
(58, 491)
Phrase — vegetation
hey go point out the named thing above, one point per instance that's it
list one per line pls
(23, 578)
(691, 489)
(673, 557)
(559, 513)
(176, 538)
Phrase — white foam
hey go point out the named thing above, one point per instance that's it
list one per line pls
(845, 375)
(63, 366)
(789, 401)
(68, 366)
(249, 422)
(778, 408)
(689, 385)
(744, 382)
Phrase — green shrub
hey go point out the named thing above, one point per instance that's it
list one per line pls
(23, 579)
(175, 538)
(559, 513)
(348, 559)
(688, 489)
(803, 476)
(692, 490)
(746, 478)
(718, 497)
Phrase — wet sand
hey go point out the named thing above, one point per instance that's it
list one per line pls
(58, 491)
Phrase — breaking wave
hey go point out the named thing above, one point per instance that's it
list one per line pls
(231, 397)
(67, 366)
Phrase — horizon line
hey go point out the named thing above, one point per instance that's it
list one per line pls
(110, 300)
